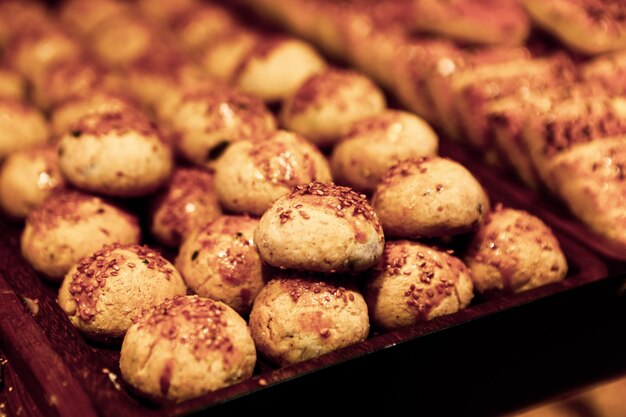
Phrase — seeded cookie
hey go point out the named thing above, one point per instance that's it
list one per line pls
(514, 251)
(187, 202)
(27, 178)
(322, 228)
(376, 143)
(252, 174)
(187, 347)
(326, 105)
(105, 290)
(21, 127)
(429, 197)
(219, 261)
(298, 317)
(90, 155)
(70, 225)
(414, 283)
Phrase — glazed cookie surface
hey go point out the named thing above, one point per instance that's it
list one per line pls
(21, 127)
(252, 174)
(296, 318)
(27, 178)
(376, 143)
(90, 157)
(326, 105)
(187, 202)
(187, 347)
(414, 283)
(514, 251)
(105, 290)
(429, 197)
(322, 228)
(70, 225)
(219, 261)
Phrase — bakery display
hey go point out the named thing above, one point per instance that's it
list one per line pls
(105, 290)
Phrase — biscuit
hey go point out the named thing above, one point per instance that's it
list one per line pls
(297, 317)
(429, 197)
(326, 105)
(106, 289)
(376, 143)
(206, 121)
(221, 58)
(200, 25)
(187, 202)
(90, 157)
(21, 127)
(414, 283)
(252, 174)
(276, 66)
(68, 226)
(219, 261)
(187, 347)
(322, 228)
(514, 251)
(27, 178)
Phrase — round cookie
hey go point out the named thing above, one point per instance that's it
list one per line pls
(91, 157)
(187, 203)
(12, 84)
(200, 25)
(326, 105)
(206, 121)
(297, 317)
(514, 251)
(376, 143)
(252, 174)
(322, 228)
(221, 58)
(27, 178)
(276, 66)
(414, 283)
(429, 197)
(68, 226)
(219, 261)
(187, 347)
(105, 290)
(21, 127)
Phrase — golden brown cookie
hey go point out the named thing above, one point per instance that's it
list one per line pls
(219, 261)
(376, 143)
(326, 105)
(252, 174)
(414, 283)
(106, 289)
(322, 228)
(115, 154)
(187, 202)
(21, 127)
(27, 178)
(187, 347)
(299, 317)
(514, 251)
(68, 226)
(429, 197)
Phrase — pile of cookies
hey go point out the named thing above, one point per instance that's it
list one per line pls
(159, 125)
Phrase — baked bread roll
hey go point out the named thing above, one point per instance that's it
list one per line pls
(187, 347)
(68, 226)
(27, 178)
(252, 174)
(219, 261)
(106, 289)
(12, 84)
(322, 228)
(163, 11)
(200, 25)
(514, 251)
(491, 22)
(326, 105)
(376, 143)
(414, 283)
(187, 202)
(299, 317)
(221, 58)
(84, 16)
(276, 66)
(90, 157)
(21, 127)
